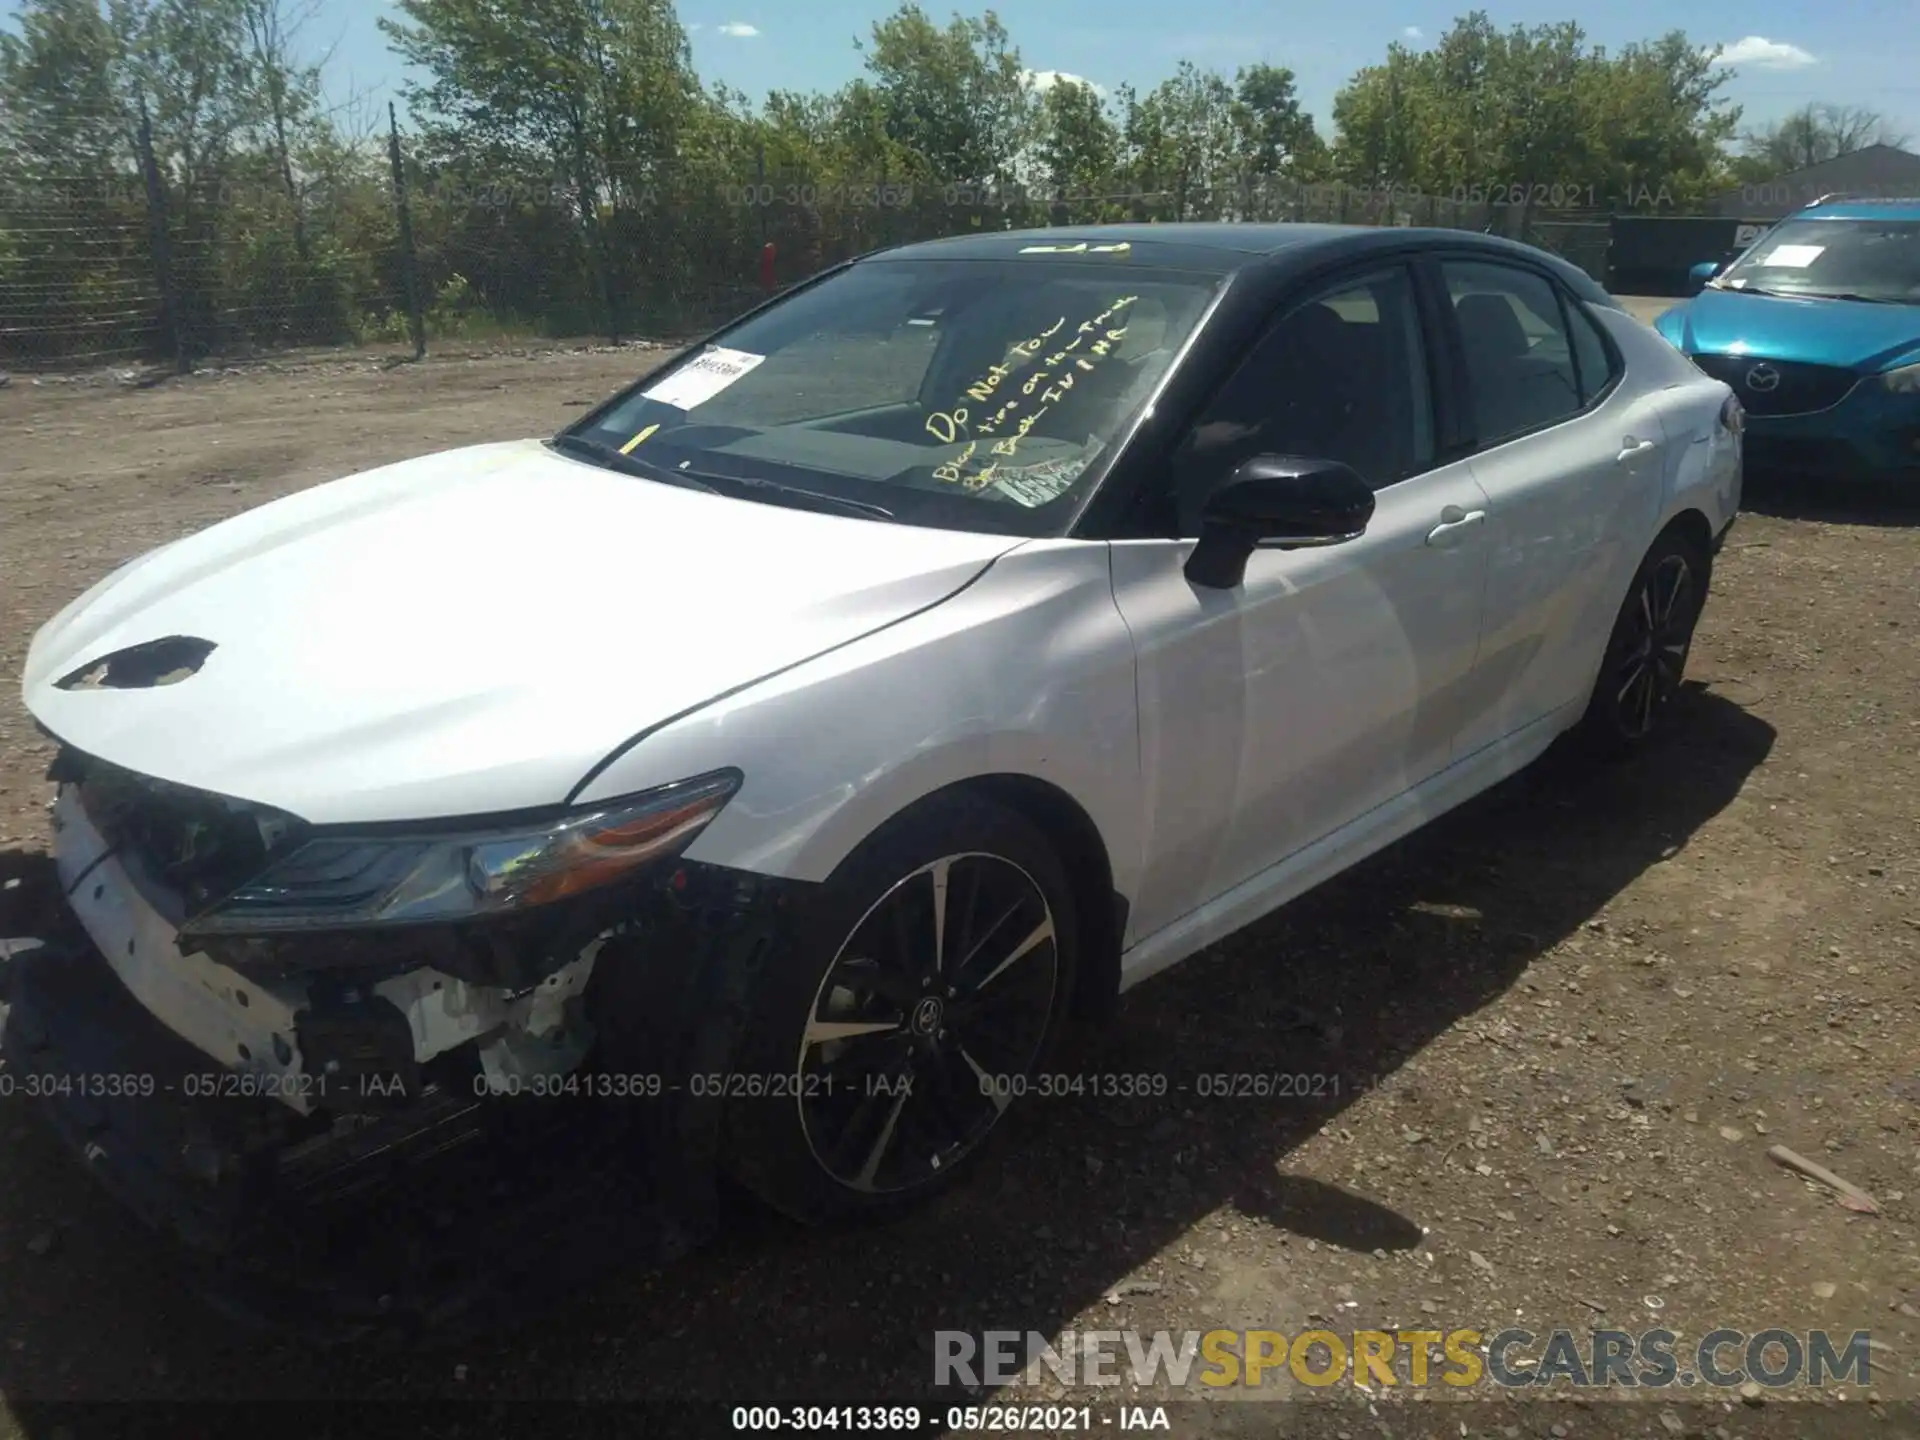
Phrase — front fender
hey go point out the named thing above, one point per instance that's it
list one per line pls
(1029, 671)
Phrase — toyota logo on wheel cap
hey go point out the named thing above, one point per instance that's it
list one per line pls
(926, 1016)
(1763, 377)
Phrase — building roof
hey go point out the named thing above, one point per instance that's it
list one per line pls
(1877, 159)
(1869, 172)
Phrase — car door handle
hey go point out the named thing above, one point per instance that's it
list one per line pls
(1634, 447)
(1453, 526)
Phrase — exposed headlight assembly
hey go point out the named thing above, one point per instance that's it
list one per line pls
(1904, 381)
(354, 881)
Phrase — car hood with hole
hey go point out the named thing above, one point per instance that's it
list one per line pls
(463, 634)
(1852, 334)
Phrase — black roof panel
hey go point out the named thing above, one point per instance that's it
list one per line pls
(1225, 247)
(1220, 245)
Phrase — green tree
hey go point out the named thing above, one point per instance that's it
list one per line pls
(956, 99)
(60, 110)
(1182, 144)
(597, 93)
(85, 86)
(289, 93)
(1660, 124)
(1273, 134)
(1537, 113)
(1078, 151)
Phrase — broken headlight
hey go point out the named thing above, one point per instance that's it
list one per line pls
(352, 881)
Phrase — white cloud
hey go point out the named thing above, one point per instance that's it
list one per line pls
(1414, 32)
(739, 30)
(1764, 54)
(1047, 79)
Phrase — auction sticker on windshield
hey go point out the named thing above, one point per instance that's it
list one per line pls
(703, 377)
(1794, 257)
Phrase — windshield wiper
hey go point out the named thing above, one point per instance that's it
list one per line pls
(817, 499)
(603, 454)
(1863, 299)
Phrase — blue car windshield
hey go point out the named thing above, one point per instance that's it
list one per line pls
(965, 394)
(1856, 259)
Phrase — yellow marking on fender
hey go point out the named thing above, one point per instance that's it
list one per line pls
(627, 449)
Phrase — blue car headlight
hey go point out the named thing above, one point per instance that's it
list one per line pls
(355, 881)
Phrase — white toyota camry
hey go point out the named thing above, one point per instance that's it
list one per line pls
(788, 749)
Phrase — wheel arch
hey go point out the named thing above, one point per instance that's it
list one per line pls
(1101, 909)
(1694, 530)
(1689, 524)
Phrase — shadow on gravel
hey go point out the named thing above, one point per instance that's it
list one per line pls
(1794, 497)
(29, 891)
(1340, 988)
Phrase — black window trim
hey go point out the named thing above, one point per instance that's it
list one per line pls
(1471, 442)
(1129, 524)
(1575, 314)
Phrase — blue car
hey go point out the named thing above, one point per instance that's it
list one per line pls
(1817, 329)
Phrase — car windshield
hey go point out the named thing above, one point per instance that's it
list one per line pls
(1856, 259)
(965, 394)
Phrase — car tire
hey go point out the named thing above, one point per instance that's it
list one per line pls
(818, 1124)
(1646, 655)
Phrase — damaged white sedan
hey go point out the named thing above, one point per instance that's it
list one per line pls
(770, 764)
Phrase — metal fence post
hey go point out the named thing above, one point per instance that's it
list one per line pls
(162, 249)
(760, 190)
(403, 213)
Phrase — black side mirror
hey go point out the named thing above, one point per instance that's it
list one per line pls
(1276, 502)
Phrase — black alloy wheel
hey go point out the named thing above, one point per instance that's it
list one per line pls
(1646, 658)
(934, 1009)
(934, 981)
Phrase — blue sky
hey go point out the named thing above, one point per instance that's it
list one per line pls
(1856, 52)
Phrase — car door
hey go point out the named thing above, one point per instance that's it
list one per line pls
(1570, 458)
(1328, 681)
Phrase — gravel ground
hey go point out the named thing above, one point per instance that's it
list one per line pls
(1564, 1025)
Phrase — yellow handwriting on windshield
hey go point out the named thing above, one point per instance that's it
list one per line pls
(953, 471)
(1049, 379)
(983, 478)
(946, 425)
(1011, 444)
(999, 417)
(1056, 389)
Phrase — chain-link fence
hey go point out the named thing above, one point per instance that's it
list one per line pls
(376, 249)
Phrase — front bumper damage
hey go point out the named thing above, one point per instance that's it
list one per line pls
(421, 1131)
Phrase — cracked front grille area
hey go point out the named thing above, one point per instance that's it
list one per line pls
(198, 845)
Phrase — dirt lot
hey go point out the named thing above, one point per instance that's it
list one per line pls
(1565, 1023)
